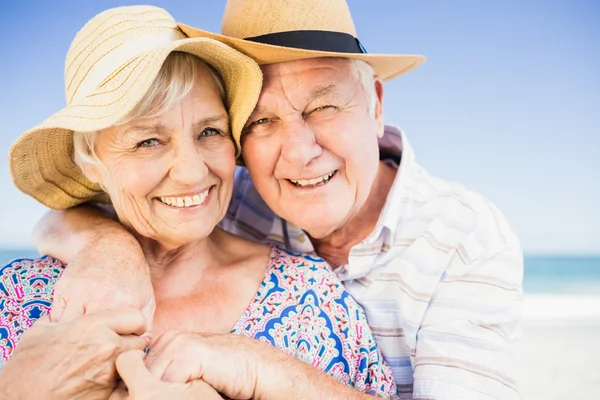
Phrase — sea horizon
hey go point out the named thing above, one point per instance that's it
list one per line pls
(546, 274)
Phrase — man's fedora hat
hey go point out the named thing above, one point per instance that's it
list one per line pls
(110, 66)
(273, 31)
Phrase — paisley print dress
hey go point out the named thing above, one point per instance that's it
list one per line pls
(301, 307)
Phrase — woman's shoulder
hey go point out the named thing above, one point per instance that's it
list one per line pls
(26, 292)
(26, 278)
(299, 262)
(42, 264)
(301, 272)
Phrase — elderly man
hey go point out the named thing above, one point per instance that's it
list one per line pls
(435, 266)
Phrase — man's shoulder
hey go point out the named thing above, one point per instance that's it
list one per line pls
(457, 216)
(248, 215)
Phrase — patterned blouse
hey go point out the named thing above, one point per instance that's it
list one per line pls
(301, 308)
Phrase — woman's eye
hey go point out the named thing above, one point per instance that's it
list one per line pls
(210, 132)
(148, 143)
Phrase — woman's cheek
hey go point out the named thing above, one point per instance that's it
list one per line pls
(139, 177)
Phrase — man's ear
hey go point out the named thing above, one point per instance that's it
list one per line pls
(378, 112)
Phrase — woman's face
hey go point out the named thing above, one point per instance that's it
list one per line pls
(170, 178)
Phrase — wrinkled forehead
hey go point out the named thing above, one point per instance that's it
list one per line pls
(332, 66)
(305, 75)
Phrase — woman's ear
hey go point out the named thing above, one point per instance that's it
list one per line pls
(92, 173)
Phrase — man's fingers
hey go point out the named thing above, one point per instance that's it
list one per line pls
(120, 393)
(64, 310)
(132, 342)
(125, 321)
(148, 310)
(58, 307)
(43, 321)
(131, 368)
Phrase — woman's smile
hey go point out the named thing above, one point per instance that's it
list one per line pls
(188, 200)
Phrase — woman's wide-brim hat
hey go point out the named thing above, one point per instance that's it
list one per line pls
(273, 31)
(110, 66)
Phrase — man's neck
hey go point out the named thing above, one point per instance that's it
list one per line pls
(335, 248)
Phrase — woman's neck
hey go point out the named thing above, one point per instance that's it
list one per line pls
(173, 265)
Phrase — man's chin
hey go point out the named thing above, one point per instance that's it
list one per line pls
(318, 230)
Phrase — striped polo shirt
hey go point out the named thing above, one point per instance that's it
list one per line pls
(439, 279)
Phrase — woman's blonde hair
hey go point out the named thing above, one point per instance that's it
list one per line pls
(172, 84)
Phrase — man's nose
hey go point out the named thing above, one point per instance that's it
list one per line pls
(300, 144)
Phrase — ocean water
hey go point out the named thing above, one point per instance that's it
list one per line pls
(543, 274)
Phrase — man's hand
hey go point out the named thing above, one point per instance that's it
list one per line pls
(140, 384)
(73, 359)
(106, 266)
(107, 273)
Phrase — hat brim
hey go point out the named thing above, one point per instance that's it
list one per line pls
(41, 160)
(386, 66)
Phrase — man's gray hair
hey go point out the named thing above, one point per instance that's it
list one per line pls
(365, 74)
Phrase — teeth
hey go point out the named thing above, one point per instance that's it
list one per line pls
(186, 201)
(314, 181)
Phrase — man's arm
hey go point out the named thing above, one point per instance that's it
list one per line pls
(62, 233)
(106, 266)
(466, 340)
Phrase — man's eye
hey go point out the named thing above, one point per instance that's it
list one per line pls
(148, 143)
(260, 121)
(325, 108)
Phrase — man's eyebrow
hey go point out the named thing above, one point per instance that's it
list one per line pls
(321, 92)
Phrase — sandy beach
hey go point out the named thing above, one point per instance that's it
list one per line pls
(559, 355)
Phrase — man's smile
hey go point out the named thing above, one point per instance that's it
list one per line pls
(313, 182)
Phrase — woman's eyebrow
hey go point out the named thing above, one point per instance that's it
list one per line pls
(156, 128)
(222, 118)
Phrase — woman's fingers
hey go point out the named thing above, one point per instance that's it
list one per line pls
(132, 342)
(131, 369)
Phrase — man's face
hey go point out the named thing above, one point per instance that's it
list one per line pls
(311, 144)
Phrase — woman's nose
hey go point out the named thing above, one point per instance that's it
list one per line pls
(188, 165)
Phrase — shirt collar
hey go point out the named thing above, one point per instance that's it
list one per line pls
(395, 143)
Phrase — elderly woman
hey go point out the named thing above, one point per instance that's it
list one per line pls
(149, 122)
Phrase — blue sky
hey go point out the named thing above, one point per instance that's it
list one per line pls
(507, 104)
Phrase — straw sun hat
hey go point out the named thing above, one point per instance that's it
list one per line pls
(273, 31)
(110, 66)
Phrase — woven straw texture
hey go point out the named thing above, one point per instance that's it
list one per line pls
(99, 94)
(249, 18)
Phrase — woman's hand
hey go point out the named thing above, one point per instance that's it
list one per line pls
(229, 363)
(143, 386)
(241, 368)
(73, 359)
